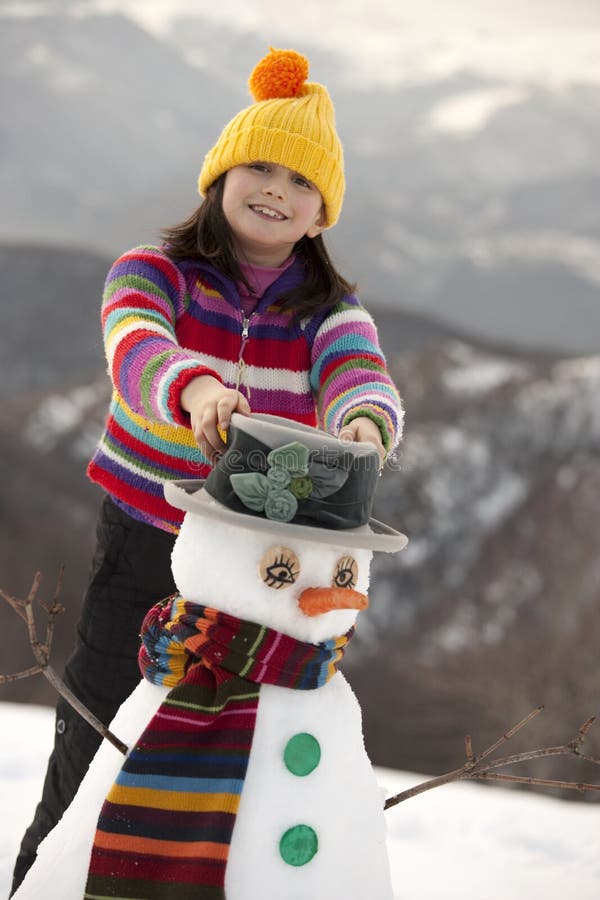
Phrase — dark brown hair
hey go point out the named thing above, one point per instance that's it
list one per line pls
(206, 236)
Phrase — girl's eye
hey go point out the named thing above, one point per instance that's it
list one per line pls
(279, 567)
(345, 574)
(259, 167)
(302, 181)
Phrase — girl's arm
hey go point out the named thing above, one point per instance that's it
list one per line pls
(144, 295)
(350, 378)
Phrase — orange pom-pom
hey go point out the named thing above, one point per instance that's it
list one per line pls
(280, 74)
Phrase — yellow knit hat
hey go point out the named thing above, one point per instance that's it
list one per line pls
(292, 124)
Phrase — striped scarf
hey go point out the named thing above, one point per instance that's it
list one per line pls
(165, 827)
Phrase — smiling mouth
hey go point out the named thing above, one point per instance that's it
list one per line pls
(268, 213)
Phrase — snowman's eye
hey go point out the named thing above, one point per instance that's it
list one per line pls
(345, 574)
(279, 567)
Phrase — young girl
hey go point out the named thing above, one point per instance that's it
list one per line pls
(240, 309)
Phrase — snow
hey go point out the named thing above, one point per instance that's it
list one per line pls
(578, 253)
(502, 500)
(585, 368)
(63, 413)
(455, 839)
(482, 377)
(474, 374)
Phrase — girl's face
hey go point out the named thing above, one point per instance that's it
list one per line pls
(269, 208)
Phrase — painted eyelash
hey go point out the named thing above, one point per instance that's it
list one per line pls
(346, 565)
(281, 563)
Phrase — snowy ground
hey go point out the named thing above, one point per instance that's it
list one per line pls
(457, 840)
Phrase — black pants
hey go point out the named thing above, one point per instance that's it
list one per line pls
(131, 571)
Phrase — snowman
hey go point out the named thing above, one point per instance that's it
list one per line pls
(247, 776)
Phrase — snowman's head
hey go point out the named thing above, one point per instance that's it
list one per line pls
(280, 533)
(306, 589)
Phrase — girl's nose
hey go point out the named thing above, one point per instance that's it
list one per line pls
(275, 187)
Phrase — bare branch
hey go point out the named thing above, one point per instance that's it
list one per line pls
(17, 605)
(16, 676)
(425, 786)
(41, 652)
(511, 733)
(83, 711)
(591, 759)
(581, 735)
(477, 769)
(29, 617)
(517, 758)
(55, 609)
(469, 747)
(545, 782)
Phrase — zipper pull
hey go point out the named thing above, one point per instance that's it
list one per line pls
(241, 362)
(241, 374)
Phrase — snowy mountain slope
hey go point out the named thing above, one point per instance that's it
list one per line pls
(493, 607)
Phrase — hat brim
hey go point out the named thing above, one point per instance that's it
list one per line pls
(190, 496)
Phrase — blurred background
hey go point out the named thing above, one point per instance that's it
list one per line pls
(472, 226)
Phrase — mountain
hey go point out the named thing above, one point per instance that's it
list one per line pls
(471, 199)
(103, 123)
(493, 607)
(49, 317)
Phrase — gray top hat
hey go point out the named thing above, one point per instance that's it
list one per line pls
(282, 477)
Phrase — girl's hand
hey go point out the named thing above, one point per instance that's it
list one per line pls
(210, 406)
(363, 429)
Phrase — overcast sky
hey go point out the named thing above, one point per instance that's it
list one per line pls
(554, 41)
(506, 15)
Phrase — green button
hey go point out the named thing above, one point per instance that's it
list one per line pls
(298, 845)
(302, 754)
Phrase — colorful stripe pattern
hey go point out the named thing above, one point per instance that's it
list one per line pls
(164, 324)
(165, 828)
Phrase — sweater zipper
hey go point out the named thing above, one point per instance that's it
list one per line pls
(241, 364)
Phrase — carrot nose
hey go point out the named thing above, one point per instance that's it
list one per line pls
(315, 601)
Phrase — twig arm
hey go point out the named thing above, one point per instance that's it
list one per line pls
(479, 768)
(544, 782)
(16, 676)
(510, 733)
(41, 652)
(423, 787)
(83, 711)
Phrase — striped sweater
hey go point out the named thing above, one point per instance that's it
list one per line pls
(166, 323)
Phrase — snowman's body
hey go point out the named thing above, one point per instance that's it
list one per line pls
(339, 800)
(310, 819)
